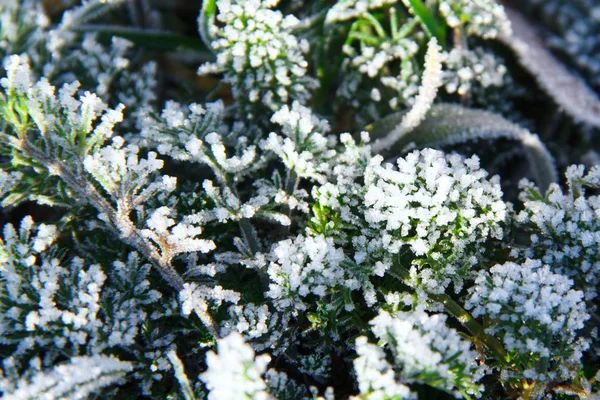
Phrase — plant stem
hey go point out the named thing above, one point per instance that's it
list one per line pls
(291, 182)
(250, 235)
(465, 319)
(470, 323)
(86, 192)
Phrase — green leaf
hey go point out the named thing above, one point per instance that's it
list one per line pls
(150, 38)
(570, 92)
(205, 20)
(429, 21)
(449, 124)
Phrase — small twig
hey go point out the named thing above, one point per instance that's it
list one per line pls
(123, 225)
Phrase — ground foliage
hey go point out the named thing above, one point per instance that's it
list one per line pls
(282, 199)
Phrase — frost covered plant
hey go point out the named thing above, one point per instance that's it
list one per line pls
(52, 308)
(350, 9)
(304, 149)
(464, 68)
(424, 349)
(22, 27)
(564, 228)
(259, 55)
(440, 207)
(375, 375)
(234, 372)
(80, 377)
(537, 316)
(382, 47)
(239, 215)
(483, 18)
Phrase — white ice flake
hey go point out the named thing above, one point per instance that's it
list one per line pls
(234, 372)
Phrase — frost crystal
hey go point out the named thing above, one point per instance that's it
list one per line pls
(263, 60)
(234, 372)
(442, 207)
(536, 314)
(483, 18)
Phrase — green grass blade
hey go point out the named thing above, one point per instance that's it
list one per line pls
(429, 21)
(149, 38)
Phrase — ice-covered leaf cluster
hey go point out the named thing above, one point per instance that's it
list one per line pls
(483, 18)
(80, 377)
(52, 308)
(424, 349)
(260, 56)
(537, 315)
(439, 207)
(564, 227)
(234, 372)
(380, 55)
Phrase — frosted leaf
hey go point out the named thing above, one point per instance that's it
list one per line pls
(450, 124)
(175, 238)
(193, 296)
(76, 379)
(431, 81)
(566, 89)
(303, 148)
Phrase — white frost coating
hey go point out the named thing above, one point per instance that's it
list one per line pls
(535, 313)
(426, 350)
(303, 148)
(234, 372)
(375, 375)
(431, 81)
(344, 10)
(77, 379)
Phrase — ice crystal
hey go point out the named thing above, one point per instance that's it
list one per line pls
(537, 315)
(262, 59)
(564, 227)
(234, 372)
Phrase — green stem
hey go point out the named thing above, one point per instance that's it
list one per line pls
(291, 182)
(470, 323)
(250, 235)
(375, 24)
(466, 319)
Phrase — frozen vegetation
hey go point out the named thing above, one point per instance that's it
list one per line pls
(278, 200)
